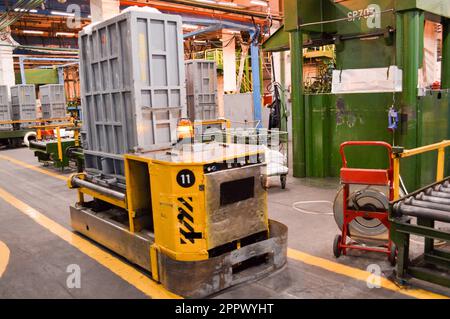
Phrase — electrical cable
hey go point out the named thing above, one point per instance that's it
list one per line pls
(311, 212)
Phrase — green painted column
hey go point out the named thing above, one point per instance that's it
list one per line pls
(412, 56)
(298, 105)
(445, 76)
(445, 69)
(284, 116)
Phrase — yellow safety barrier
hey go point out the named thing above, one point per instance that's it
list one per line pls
(439, 147)
(35, 121)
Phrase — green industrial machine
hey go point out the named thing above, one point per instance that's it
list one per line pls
(50, 148)
(12, 138)
(47, 152)
(372, 38)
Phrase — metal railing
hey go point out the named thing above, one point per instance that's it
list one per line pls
(57, 128)
(400, 153)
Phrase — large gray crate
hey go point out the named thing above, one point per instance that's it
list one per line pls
(23, 103)
(53, 101)
(201, 89)
(5, 114)
(132, 86)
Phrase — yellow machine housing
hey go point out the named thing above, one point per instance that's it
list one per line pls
(195, 217)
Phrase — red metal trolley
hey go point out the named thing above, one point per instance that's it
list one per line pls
(360, 176)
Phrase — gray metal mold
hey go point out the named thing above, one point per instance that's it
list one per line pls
(23, 103)
(53, 101)
(132, 86)
(201, 89)
(5, 113)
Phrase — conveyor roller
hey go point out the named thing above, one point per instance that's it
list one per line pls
(432, 202)
(430, 206)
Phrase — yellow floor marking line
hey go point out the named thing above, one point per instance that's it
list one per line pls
(4, 257)
(359, 274)
(326, 264)
(114, 264)
(34, 168)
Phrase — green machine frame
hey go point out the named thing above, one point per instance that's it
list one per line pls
(321, 122)
(13, 138)
(47, 152)
(56, 150)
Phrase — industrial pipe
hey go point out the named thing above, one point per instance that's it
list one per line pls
(30, 136)
(100, 189)
(214, 7)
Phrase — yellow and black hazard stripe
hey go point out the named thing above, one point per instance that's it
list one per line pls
(186, 219)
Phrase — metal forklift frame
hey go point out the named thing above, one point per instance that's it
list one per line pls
(171, 230)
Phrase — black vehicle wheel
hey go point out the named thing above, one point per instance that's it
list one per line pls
(336, 248)
(283, 181)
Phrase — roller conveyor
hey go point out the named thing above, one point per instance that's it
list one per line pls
(429, 205)
(431, 202)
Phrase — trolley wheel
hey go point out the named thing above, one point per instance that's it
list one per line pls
(265, 182)
(336, 249)
(283, 179)
(393, 255)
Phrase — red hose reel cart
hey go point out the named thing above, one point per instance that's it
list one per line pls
(370, 177)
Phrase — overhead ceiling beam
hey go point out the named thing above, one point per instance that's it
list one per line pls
(213, 9)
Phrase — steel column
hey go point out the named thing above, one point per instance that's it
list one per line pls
(445, 76)
(254, 54)
(298, 104)
(22, 70)
(413, 25)
(282, 93)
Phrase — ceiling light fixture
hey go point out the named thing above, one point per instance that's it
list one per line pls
(60, 13)
(65, 34)
(230, 4)
(259, 3)
(206, 1)
(25, 10)
(33, 32)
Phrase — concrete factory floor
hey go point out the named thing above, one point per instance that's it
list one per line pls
(35, 228)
